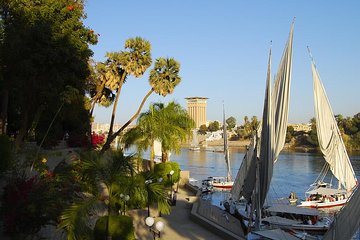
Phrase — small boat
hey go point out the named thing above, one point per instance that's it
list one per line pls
(223, 182)
(324, 197)
(220, 182)
(289, 217)
(293, 198)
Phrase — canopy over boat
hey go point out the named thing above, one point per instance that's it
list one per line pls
(275, 234)
(293, 210)
(326, 191)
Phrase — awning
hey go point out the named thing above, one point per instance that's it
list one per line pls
(275, 234)
(280, 221)
(293, 210)
(326, 191)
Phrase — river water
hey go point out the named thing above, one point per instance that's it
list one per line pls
(293, 172)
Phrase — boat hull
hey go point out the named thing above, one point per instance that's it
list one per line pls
(318, 204)
(223, 185)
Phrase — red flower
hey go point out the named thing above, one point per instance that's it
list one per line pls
(70, 8)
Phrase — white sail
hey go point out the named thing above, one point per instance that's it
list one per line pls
(274, 129)
(330, 141)
(272, 132)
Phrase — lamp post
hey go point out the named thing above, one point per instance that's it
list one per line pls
(171, 182)
(147, 182)
(159, 226)
(126, 198)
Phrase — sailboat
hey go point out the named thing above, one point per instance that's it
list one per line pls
(194, 144)
(322, 194)
(223, 182)
(254, 177)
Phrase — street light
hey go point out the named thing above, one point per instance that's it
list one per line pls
(171, 182)
(126, 198)
(159, 226)
(147, 182)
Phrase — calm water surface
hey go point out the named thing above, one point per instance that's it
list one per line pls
(292, 172)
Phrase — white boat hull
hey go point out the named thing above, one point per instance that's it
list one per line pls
(225, 185)
(320, 204)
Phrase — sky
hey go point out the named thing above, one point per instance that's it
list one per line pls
(223, 48)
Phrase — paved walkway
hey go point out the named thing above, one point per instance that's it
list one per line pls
(177, 225)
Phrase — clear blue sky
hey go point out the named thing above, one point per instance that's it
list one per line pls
(223, 49)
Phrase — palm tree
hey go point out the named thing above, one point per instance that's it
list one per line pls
(134, 62)
(170, 124)
(105, 179)
(164, 77)
(176, 128)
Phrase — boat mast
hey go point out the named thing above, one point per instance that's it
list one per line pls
(226, 149)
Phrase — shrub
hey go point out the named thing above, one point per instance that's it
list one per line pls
(163, 169)
(120, 228)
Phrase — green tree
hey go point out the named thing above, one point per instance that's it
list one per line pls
(45, 48)
(214, 126)
(163, 79)
(105, 179)
(289, 134)
(231, 122)
(170, 124)
(202, 129)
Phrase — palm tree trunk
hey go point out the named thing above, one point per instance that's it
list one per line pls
(116, 102)
(152, 156)
(111, 138)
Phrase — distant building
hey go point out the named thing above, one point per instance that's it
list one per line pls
(212, 136)
(196, 107)
(301, 127)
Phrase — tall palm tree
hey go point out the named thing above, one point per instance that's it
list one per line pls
(175, 129)
(134, 62)
(170, 124)
(164, 77)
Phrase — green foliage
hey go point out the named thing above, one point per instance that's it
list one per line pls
(202, 129)
(164, 77)
(45, 49)
(6, 153)
(162, 170)
(120, 228)
(214, 126)
(289, 134)
(231, 122)
(170, 124)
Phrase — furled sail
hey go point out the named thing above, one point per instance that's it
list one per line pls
(330, 141)
(347, 221)
(226, 148)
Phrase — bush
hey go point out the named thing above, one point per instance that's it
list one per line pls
(163, 169)
(5, 153)
(120, 228)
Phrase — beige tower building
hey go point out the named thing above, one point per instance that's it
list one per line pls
(196, 107)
